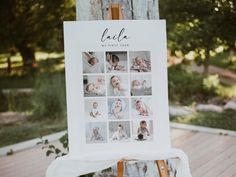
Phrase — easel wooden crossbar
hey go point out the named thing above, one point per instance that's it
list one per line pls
(115, 13)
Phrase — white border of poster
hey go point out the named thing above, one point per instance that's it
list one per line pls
(116, 82)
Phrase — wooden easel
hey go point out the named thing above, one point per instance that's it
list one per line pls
(115, 13)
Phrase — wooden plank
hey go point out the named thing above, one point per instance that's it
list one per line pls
(195, 141)
(218, 147)
(199, 172)
(181, 136)
(206, 142)
(36, 161)
(223, 168)
(230, 171)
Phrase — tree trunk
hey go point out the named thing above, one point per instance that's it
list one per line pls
(206, 63)
(28, 56)
(132, 9)
(231, 57)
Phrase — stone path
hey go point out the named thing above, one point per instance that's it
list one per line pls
(226, 76)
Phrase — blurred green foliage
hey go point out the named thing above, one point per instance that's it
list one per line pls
(200, 27)
(187, 88)
(49, 98)
(211, 82)
(184, 88)
(33, 24)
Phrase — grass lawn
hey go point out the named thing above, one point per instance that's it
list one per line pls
(224, 120)
(26, 130)
(11, 82)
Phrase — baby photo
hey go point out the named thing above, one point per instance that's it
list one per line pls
(119, 131)
(140, 61)
(116, 62)
(93, 62)
(118, 108)
(96, 132)
(95, 109)
(117, 85)
(94, 86)
(143, 130)
(141, 85)
(141, 108)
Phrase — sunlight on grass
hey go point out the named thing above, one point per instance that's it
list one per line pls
(16, 58)
(44, 56)
(14, 65)
(39, 56)
(3, 65)
(226, 91)
(59, 67)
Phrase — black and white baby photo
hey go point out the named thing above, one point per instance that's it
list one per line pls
(143, 130)
(141, 85)
(116, 62)
(119, 131)
(93, 62)
(96, 132)
(118, 108)
(141, 108)
(140, 61)
(94, 86)
(95, 109)
(117, 85)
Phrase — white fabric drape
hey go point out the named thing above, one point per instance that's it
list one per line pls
(68, 166)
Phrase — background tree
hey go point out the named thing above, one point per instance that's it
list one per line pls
(33, 24)
(199, 26)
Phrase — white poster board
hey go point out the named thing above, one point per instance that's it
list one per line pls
(116, 82)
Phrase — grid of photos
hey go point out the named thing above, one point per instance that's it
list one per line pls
(117, 96)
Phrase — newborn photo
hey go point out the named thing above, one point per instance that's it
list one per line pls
(96, 132)
(116, 62)
(142, 130)
(141, 108)
(118, 108)
(117, 85)
(95, 109)
(141, 85)
(140, 61)
(93, 62)
(94, 86)
(119, 131)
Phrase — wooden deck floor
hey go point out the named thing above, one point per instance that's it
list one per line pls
(210, 155)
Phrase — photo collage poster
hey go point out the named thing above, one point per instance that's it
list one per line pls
(114, 77)
(117, 96)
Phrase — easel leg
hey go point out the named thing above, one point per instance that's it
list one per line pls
(163, 171)
(120, 169)
(115, 12)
